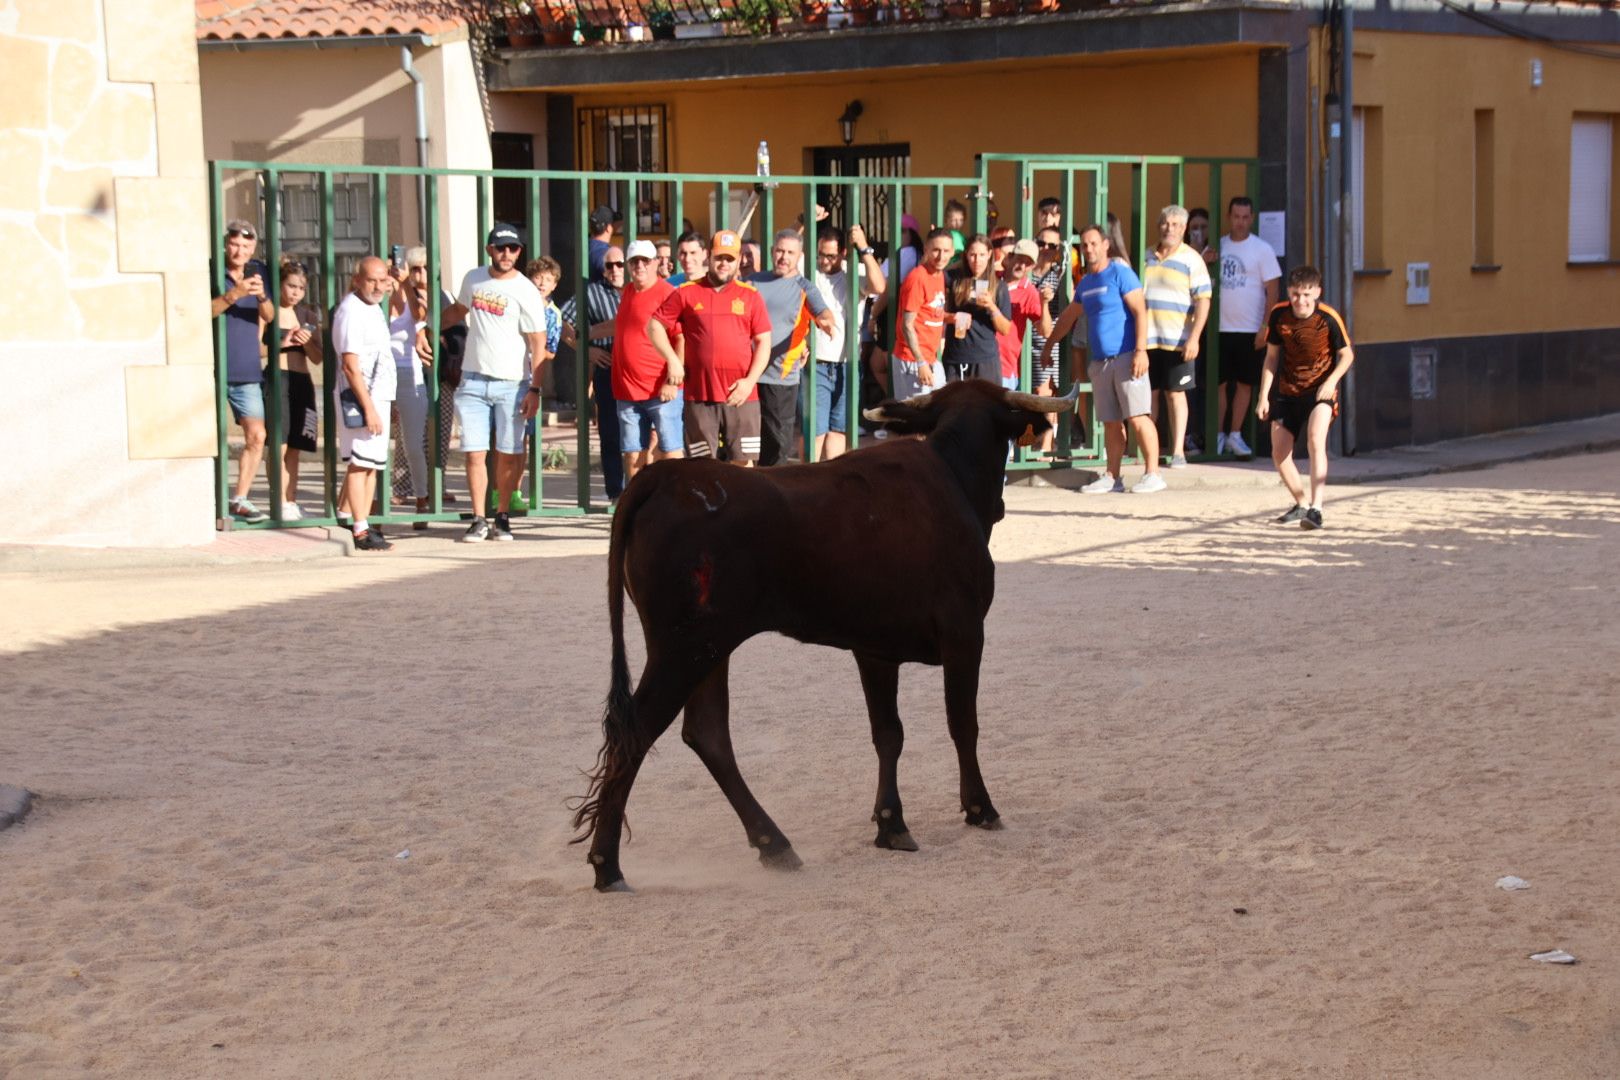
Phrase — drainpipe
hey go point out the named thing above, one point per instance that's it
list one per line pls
(421, 137)
(1347, 430)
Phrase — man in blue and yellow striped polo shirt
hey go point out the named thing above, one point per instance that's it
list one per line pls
(1175, 283)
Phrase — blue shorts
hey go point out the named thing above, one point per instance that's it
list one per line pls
(638, 419)
(247, 400)
(831, 408)
(1009, 382)
(481, 401)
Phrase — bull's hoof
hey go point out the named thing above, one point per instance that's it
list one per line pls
(895, 841)
(617, 885)
(984, 817)
(785, 859)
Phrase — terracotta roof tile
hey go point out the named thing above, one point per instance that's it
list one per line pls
(244, 20)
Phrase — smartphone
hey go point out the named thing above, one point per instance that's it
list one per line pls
(980, 287)
(396, 254)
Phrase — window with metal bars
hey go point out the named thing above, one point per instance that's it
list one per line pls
(627, 139)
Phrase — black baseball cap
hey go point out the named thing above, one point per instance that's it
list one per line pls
(503, 233)
(602, 217)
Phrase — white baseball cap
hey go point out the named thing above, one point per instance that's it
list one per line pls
(640, 249)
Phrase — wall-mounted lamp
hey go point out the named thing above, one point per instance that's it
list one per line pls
(846, 123)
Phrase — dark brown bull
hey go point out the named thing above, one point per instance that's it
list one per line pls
(884, 552)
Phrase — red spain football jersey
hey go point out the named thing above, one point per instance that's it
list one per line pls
(720, 326)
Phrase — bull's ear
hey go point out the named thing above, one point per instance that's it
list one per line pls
(914, 416)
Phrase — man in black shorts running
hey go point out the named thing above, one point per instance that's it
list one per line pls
(1307, 353)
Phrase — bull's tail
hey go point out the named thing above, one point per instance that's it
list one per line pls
(619, 728)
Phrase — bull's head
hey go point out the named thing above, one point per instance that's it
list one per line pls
(1015, 416)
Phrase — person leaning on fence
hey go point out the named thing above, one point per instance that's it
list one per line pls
(728, 345)
(793, 303)
(246, 309)
(646, 386)
(408, 336)
(300, 347)
(977, 312)
(1110, 296)
(832, 280)
(506, 324)
(602, 296)
(1307, 353)
(921, 329)
(363, 390)
(1176, 284)
(1249, 277)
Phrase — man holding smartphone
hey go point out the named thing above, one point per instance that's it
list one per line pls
(244, 303)
(365, 387)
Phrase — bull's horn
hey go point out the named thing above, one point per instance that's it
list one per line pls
(876, 415)
(1036, 403)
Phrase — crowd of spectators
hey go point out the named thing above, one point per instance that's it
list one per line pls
(696, 350)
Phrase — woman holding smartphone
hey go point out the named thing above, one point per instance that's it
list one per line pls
(978, 309)
(300, 347)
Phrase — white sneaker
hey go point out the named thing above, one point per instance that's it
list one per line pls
(1220, 443)
(1149, 483)
(1104, 485)
(291, 512)
(1235, 444)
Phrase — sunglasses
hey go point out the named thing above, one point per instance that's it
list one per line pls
(613, 266)
(1051, 247)
(1006, 243)
(245, 234)
(504, 248)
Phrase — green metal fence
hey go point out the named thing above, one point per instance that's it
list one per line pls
(574, 192)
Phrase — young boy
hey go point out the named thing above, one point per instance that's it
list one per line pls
(1307, 353)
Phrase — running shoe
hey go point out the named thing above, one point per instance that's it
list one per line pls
(477, 532)
(290, 511)
(1312, 519)
(244, 511)
(519, 503)
(1149, 483)
(502, 529)
(1294, 514)
(1236, 445)
(1105, 485)
(1179, 461)
(371, 540)
(1220, 443)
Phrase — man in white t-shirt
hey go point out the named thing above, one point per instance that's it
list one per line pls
(364, 388)
(832, 280)
(506, 325)
(1249, 281)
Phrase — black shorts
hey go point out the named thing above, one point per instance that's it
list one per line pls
(1293, 413)
(1169, 369)
(1240, 360)
(717, 430)
(299, 420)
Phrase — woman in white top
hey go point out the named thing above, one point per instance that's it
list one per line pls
(407, 328)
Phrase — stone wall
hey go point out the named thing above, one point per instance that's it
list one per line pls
(106, 361)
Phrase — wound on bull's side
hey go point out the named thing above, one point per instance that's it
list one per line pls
(702, 579)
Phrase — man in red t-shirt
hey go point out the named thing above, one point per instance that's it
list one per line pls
(728, 345)
(1029, 308)
(917, 369)
(646, 386)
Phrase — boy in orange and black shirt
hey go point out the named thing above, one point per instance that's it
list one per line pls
(1307, 353)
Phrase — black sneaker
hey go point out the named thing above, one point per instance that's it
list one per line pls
(1312, 519)
(1294, 514)
(377, 529)
(371, 540)
(476, 532)
(503, 528)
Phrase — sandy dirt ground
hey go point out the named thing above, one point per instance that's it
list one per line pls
(1349, 735)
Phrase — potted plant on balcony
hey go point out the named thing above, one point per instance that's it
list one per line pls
(518, 15)
(754, 18)
(861, 12)
(660, 15)
(813, 12)
(962, 9)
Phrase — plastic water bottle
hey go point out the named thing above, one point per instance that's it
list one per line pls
(762, 159)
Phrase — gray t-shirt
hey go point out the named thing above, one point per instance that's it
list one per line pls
(499, 312)
(784, 298)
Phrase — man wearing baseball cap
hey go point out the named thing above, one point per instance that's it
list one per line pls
(601, 232)
(646, 386)
(728, 345)
(1028, 309)
(506, 323)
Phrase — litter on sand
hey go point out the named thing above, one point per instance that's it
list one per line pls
(404, 854)
(1556, 956)
(1511, 883)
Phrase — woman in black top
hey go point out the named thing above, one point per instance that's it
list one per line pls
(976, 292)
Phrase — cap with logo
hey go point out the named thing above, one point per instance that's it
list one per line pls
(640, 249)
(726, 242)
(503, 233)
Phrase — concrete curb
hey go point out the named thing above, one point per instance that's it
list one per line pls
(15, 802)
(227, 549)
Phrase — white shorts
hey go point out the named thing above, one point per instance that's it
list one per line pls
(359, 447)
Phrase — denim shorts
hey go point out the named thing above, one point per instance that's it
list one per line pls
(831, 409)
(638, 419)
(247, 400)
(481, 401)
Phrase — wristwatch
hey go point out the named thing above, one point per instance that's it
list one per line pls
(532, 390)
(864, 252)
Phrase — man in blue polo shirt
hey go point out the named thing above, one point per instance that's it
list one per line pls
(1110, 296)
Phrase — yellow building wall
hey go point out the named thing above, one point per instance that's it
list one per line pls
(1196, 103)
(1428, 88)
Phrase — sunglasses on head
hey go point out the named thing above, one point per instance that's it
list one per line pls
(245, 234)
